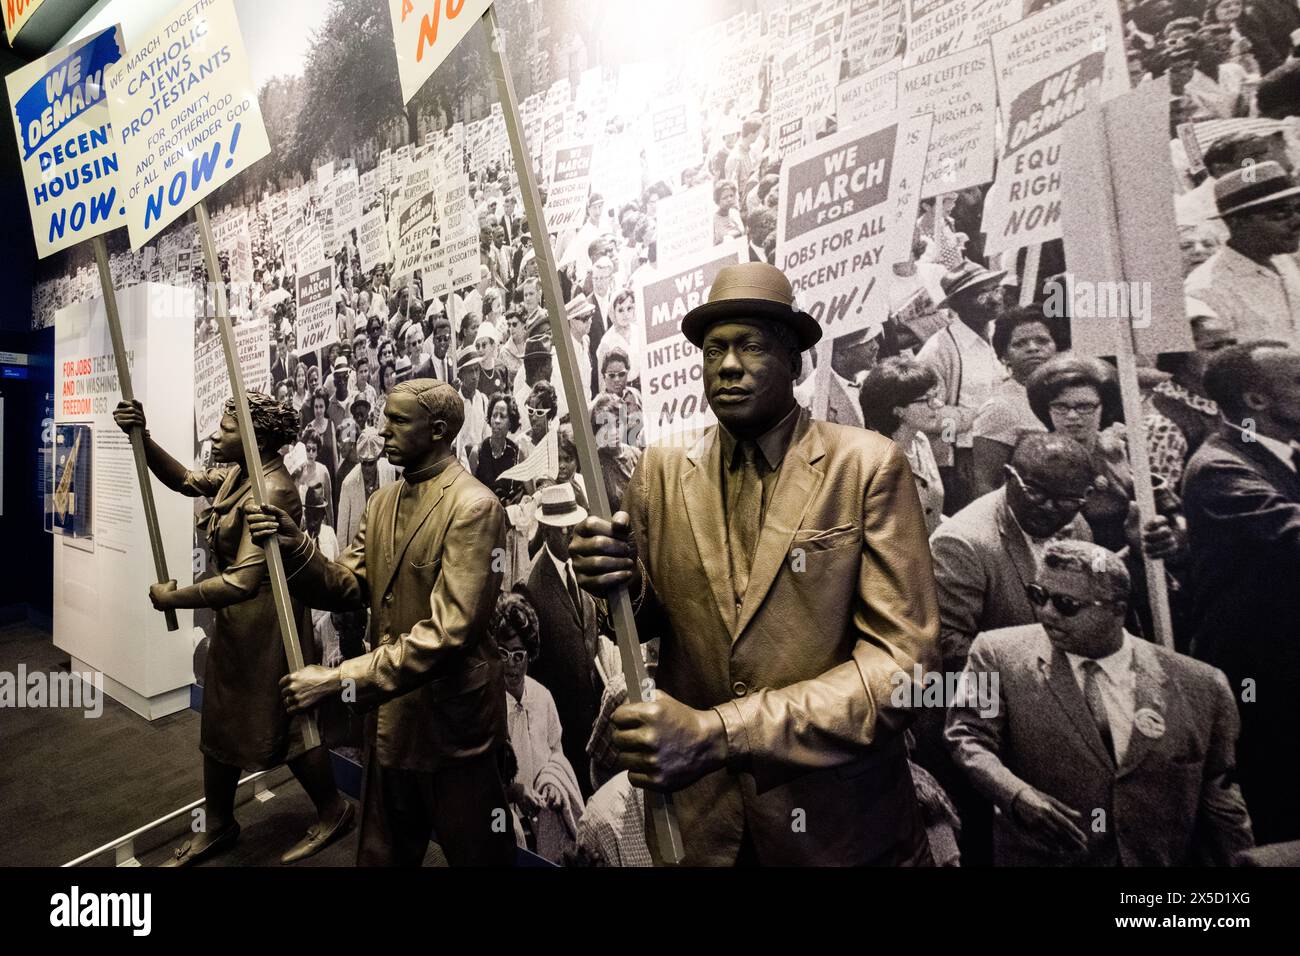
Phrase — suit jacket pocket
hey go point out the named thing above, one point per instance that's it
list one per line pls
(840, 536)
(419, 564)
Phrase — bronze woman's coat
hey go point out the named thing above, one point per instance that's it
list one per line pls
(244, 722)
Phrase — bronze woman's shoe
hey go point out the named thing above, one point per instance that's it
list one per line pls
(318, 838)
(186, 855)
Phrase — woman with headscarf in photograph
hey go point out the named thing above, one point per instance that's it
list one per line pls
(243, 725)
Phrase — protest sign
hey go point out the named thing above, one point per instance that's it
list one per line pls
(325, 219)
(65, 142)
(1114, 186)
(212, 387)
(417, 234)
(799, 18)
(316, 327)
(616, 165)
(460, 236)
(279, 216)
(369, 184)
(185, 114)
(308, 248)
(425, 32)
(863, 97)
(675, 134)
(347, 205)
(1049, 67)
(1117, 176)
(566, 202)
(17, 13)
(987, 17)
(934, 29)
(805, 95)
(859, 32)
(231, 235)
(684, 224)
(736, 79)
(839, 226)
(831, 24)
(961, 93)
(889, 34)
(672, 375)
(372, 238)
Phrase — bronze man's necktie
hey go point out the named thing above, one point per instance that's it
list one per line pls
(744, 516)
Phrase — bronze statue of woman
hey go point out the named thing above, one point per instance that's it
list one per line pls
(244, 724)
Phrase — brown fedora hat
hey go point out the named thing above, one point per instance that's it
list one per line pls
(751, 290)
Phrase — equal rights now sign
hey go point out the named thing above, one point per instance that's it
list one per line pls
(185, 114)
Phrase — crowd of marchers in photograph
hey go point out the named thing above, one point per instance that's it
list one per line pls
(1015, 445)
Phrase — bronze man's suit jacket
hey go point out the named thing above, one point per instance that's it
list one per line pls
(841, 597)
(434, 671)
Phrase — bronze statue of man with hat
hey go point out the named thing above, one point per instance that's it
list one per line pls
(783, 563)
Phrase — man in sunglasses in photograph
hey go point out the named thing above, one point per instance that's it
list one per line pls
(987, 552)
(1103, 749)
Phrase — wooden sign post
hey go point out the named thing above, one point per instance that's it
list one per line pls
(1121, 239)
(639, 686)
(137, 434)
(253, 460)
(55, 224)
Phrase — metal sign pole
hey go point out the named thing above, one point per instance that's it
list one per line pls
(638, 685)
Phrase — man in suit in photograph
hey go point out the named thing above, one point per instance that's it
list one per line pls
(1099, 749)
(423, 561)
(566, 617)
(782, 562)
(984, 556)
(987, 553)
(1241, 495)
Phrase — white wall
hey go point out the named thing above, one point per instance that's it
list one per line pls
(102, 613)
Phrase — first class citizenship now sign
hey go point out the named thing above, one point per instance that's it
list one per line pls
(65, 142)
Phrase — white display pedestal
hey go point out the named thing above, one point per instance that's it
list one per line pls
(102, 614)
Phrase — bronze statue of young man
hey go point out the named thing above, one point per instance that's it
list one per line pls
(772, 721)
(423, 561)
